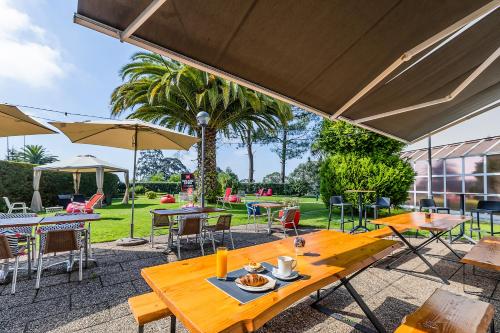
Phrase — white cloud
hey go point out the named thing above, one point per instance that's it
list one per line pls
(25, 55)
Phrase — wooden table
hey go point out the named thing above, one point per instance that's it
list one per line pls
(360, 208)
(187, 211)
(485, 254)
(330, 256)
(269, 206)
(437, 225)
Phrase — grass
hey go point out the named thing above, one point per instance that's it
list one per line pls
(115, 219)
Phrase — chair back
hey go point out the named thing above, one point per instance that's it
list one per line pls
(288, 216)
(94, 200)
(269, 192)
(260, 192)
(426, 203)
(79, 198)
(60, 237)
(63, 200)
(227, 193)
(488, 205)
(384, 202)
(5, 248)
(336, 200)
(160, 220)
(252, 209)
(190, 225)
(7, 202)
(224, 222)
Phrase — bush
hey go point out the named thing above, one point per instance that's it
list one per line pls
(139, 189)
(160, 187)
(151, 195)
(391, 177)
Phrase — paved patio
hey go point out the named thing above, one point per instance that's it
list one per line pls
(99, 303)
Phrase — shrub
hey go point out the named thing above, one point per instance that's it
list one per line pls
(139, 189)
(391, 177)
(151, 195)
(160, 187)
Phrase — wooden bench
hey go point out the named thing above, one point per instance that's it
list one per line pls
(382, 232)
(149, 307)
(450, 313)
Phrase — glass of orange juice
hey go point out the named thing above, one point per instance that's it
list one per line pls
(221, 263)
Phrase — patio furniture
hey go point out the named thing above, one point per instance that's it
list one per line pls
(253, 211)
(269, 206)
(260, 192)
(287, 220)
(430, 204)
(383, 232)
(242, 195)
(60, 238)
(167, 199)
(15, 206)
(447, 312)
(85, 207)
(63, 200)
(54, 209)
(485, 254)
(159, 222)
(147, 308)
(484, 207)
(380, 203)
(223, 224)
(188, 226)
(338, 201)
(437, 225)
(11, 249)
(78, 198)
(186, 287)
(25, 233)
(225, 199)
(268, 193)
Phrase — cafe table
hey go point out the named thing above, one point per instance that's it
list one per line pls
(360, 208)
(329, 256)
(269, 206)
(437, 225)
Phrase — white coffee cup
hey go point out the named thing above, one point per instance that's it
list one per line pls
(286, 265)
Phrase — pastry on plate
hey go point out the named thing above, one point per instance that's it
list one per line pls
(254, 266)
(253, 280)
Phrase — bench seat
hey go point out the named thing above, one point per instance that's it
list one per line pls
(450, 313)
(147, 308)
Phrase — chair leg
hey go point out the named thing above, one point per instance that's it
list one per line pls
(201, 245)
(14, 276)
(295, 228)
(342, 218)
(140, 329)
(178, 247)
(231, 238)
(213, 240)
(173, 322)
(80, 266)
(329, 216)
(492, 232)
(39, 271)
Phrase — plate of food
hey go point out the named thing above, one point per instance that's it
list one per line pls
(255, 282)
(254, 267)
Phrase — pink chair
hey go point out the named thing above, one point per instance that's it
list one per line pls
(226, 198)
(87, 207)
(260, 192)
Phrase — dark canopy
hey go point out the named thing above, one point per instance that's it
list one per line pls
(404, 68)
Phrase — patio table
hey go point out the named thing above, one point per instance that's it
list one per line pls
(360, 208)
(269, 206)
(187, 211)
(485, 254)
(330, 257)
(437, 225)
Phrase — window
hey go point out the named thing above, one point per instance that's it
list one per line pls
(454, 166)
(471, 201)
(493, 184)
(421, 168)
(454, 184)
(453, 201)
(473, 164)
(437, 167)
(474, 184)
(493, 162)
(421, 183)
(437, 184)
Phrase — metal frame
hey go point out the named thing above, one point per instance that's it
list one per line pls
(360, 215)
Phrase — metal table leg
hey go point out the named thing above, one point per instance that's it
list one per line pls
(269, 222)
(360, 214)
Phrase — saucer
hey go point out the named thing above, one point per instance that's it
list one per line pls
(249, 270)
(292, 276)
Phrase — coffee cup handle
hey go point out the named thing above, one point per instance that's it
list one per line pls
(294, 264)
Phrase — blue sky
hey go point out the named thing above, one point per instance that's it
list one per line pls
(48, 61)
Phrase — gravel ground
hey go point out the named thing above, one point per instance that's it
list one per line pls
(99, 302)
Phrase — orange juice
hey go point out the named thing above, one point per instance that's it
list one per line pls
(221, 263)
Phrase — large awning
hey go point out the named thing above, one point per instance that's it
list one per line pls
(403, 68)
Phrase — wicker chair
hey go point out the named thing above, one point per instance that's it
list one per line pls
(189, 225)
(25, 232)
(11, 249)
(223, 224)
(57, 238)
(159, 222)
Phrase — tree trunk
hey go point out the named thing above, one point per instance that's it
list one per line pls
(211, 185)
(283, 157)
(250, 156)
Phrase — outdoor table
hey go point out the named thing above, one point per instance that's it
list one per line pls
(437, 225)
(330, 256)
(485, 254)
(269, 206)
(360, 208)
(187, 211)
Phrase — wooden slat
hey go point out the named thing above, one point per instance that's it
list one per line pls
(445, 312)
(485, 254)
(147, 308)
(417, 220)
(383, 232)
(329, 256)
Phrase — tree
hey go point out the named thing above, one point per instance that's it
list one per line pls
(174, 178)
(171, 94)
(34, 154)
(153, 165)
(292, 139)
(227, 179)
(305, 178)
(272, 178)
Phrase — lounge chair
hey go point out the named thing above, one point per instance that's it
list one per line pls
(87, 207)
(15, 206)
(225, 199)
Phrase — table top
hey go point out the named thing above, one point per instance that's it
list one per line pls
(360, 191)
(417, 220)
(269, 204)
(329, 256)
(34, 221)
(485, 254)
(187, 211)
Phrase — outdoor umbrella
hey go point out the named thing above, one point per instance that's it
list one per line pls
(14, 122)
(127, 134)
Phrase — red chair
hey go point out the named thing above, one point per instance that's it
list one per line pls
(260, 192)
(226, 198)
(87, 207)
(296, 218)
(167, 199)
(269, 192)
(287, 218)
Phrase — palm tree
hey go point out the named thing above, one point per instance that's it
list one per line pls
(169, 93)
(35, 154)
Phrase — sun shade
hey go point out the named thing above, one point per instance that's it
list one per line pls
(402, 68)
(82, 163)
(14, 122)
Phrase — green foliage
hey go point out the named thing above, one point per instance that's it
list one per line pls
(151, 195)
(34, 154)
(227, 179)
(16, 183)
(159, 187)
(273, 177)
(154, 166)
(139, 189)
(157, 177)
(174, 178)
(390, 178)
(305, 178)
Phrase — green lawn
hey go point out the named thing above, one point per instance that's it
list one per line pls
(115, 220)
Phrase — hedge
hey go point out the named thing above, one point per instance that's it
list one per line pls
(16, 183)
(161, 187)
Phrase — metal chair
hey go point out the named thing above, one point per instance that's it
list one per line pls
(188, 225)
(26, 237)
(484, 207)
(223, 224)
(255, 212)
(57, 238)
(380, 203)
(159, 222)
(15, 206)
(11, 249)
(287, 220)
(431, 205)
(338, 201)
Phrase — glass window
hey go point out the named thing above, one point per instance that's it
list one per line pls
(437, 167)
(409, 199)
(437, 184)
(493, 198)
(453, 201)
(421, 196)
(471, 201)
(439, 200)
(493, 184)
(421, 168)
(493, 163)
(454, 184)
(454, 166)
(473, 164)
(421, 183)
(474, 184)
